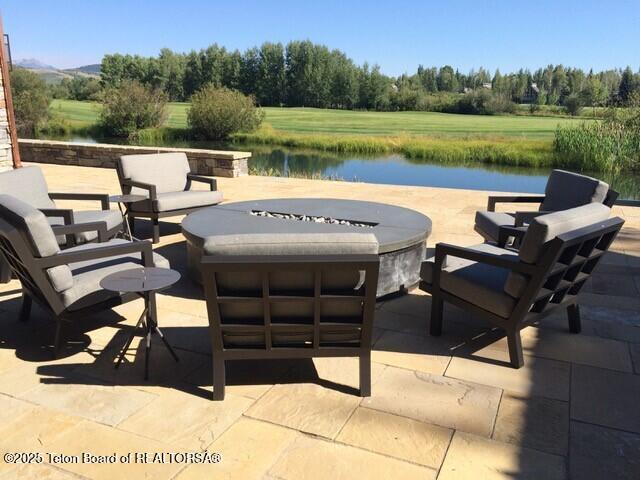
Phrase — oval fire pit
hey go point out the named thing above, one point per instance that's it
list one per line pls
(401, 232)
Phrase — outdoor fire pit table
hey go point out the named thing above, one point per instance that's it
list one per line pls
(401, 232)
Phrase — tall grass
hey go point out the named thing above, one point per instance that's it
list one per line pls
(499, 150)
(606, 146)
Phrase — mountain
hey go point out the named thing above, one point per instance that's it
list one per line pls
(51, 74)
(93, 69)
(34, 64)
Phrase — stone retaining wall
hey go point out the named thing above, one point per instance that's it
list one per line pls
(219, 163)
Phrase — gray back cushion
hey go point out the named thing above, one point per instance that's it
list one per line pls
(28, 184)
(167, 171)
(33, 225)
(566, 190)
(290, 244)
(545, 228)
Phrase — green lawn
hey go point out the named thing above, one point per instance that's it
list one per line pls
(321, 121)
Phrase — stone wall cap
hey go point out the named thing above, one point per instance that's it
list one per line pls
(224, 154)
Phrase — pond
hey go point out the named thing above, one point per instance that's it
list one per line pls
(395, 169)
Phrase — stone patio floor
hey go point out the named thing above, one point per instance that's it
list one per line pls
(446, 408)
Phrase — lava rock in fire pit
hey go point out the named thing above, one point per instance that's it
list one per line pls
(311, 218)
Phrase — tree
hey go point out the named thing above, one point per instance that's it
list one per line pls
(271, 82)
(192, 80)
(447, 81)
(344, 81)
(627, 85)
(172, 70)
(30, 101)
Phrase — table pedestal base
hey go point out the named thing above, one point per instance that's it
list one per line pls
(150, 326)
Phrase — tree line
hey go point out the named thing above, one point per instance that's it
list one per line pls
(306, 74)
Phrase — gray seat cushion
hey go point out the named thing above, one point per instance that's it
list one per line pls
(477, 283)
(545, 228)
(167, 171)
(112, 218)
(28, 184)
(178, 200)
(566, 190)
(86, 289)
(490, 222)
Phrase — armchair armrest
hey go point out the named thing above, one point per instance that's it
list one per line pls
(191, 177)
(69, 230)
(505, 232)
(103, 198)
(491, 203)
(445, 249)
(66, 257)
(128, 183)
(526, 217)
(65, 213)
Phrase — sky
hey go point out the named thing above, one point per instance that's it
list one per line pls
(398, 35)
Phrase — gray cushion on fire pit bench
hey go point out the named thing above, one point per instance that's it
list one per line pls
(306, 244)
(179, 200)
(566, 190)
(167, 171)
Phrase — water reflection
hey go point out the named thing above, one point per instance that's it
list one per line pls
(398, 170)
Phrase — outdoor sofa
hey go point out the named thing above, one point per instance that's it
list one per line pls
(165, 179)
(290, 296)
(66, 283)
(514, 288)
(564, 190)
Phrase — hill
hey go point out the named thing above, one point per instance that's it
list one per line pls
(51, 74)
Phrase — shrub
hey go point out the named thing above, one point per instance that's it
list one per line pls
(216, 113)
(485, 102)
(573, 104)
(30, 101)
(131, 107)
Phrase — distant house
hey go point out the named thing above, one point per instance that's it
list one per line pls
(487, 86)
(531, 94)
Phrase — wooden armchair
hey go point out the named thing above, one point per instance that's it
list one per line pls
(564, 190)
(166, 180)
(514, 288)
(65, 283)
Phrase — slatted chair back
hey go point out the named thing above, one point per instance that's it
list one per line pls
(565, 266)
(284, 306)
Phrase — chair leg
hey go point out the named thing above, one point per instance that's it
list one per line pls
(156, 230)
(435, 328)
(365, 374)
(57, 340)
(515, 348)
(25, 310)
(132, 225)
(219, 379)
(573, 311)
